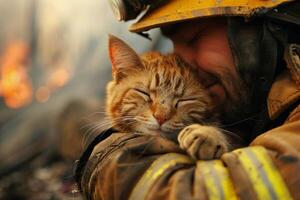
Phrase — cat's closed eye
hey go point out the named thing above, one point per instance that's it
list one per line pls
(182, 102)
(143, 93)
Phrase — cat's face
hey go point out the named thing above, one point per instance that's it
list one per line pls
(155, 94)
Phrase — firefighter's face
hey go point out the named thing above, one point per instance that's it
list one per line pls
(204, 45)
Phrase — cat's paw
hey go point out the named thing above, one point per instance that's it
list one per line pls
(203, 142)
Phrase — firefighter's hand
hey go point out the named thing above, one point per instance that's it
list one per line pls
(203, 142)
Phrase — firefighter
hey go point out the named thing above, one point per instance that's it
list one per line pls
(255, 41)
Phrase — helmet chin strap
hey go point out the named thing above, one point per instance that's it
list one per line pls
(256, 52)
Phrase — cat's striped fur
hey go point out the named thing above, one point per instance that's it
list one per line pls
(155, 94)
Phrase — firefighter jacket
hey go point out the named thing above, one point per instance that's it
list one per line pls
(130, 166)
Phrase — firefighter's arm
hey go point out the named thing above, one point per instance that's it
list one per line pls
(128, 166)
(283, 143)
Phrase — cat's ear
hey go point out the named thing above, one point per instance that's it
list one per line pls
(123, 58)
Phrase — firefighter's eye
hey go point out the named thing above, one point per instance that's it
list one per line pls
(192, 40)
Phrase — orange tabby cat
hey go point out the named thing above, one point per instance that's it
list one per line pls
(159, 94)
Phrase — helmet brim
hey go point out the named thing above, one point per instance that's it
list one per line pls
(173, 11)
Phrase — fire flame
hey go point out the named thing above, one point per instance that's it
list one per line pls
(15, 84)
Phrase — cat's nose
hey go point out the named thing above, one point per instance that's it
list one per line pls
(160, 118)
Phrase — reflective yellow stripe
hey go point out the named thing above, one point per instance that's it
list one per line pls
(266, 180)
(275, 178)
(217, 181)
(157, 168)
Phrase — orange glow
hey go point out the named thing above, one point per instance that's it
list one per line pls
(59, 78)
(15, 85)
(42, 94)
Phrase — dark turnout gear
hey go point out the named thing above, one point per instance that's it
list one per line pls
(131, 166)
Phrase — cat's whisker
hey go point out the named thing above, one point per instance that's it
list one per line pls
(226, 131)
(117, 119)
(230, 133)
(252, 118)
(142, 119)
(94, 127)
(103, 124)
(146, 122)
(87, 125)
(87, 137)
(124, 116)
(93, 121)
(91, 117)
(97, 123)
(106, 124)
(98, 126)
(93, 130)
(99, 112)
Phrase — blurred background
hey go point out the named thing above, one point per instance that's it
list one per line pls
(54, 67)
